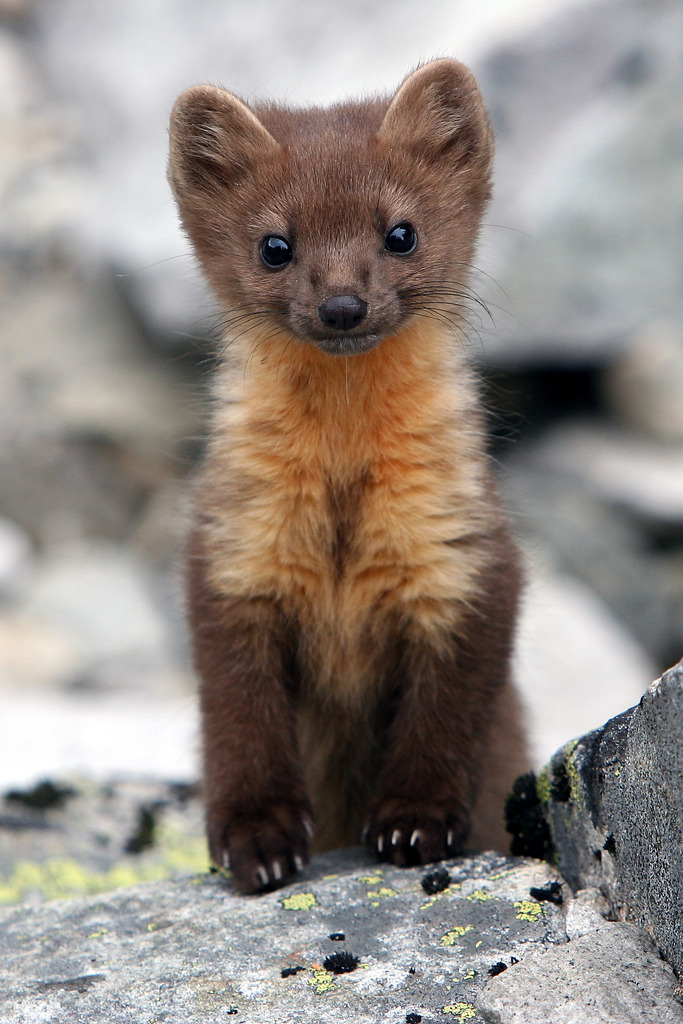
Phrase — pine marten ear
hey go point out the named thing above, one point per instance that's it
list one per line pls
(215, 140)
(438, 113)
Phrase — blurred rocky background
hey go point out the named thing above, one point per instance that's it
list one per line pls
(106, 329)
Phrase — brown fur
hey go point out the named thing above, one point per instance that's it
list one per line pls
(352, 587)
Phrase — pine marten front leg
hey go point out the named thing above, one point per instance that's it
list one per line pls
(258, 816)
(444, 701)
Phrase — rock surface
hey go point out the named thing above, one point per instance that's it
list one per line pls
(594, 529)
(77, 838)
(615, 805)
(500, 941)
(596, 978)
(587, 182)
(193, 951)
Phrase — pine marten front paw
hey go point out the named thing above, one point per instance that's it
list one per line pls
(263, 850)
(405, 833)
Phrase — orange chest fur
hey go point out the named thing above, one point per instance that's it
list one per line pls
(345, 491)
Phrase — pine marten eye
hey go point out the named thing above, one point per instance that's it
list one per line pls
(401, 240)
(276, 251)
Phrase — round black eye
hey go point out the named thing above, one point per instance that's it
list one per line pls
(401, 240)
(276, 251)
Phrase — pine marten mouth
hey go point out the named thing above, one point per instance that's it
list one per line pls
(345, 345)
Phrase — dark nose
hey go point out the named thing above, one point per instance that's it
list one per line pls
(342, 312)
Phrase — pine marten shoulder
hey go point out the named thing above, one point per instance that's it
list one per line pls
(352, 586)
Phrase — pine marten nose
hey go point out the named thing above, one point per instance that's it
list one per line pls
(342, 312)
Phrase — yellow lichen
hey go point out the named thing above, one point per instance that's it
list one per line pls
(461, 1011)
(381, 893)
(63, 877)
(322, 980)
(543, 786)
(299, 901)
(480, 896)
(455, 933)
(528, 910)
(569, 753)
(371, 879)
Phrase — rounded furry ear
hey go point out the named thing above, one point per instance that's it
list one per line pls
(438, 112)
(215, 139)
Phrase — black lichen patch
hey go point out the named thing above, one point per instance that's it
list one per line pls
(550, 893)
(341, 963)
(498, 968)
(413, 1018)
(525, 821)
(42, 797)
(610, 845)
(560, 785)
(144, 835)
(436, 881)
(287, 972)
(337, 937)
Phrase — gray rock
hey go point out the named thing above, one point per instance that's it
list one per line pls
(643, 387)
(36, 655)
(192, 950)
(74, 837)
(566, 638)
(607, 973)
(91, 421)
(104, 596)
(16, 557)
(624, 470)
(42, 188)
(585, 228)
(564, 519)
(615, 806)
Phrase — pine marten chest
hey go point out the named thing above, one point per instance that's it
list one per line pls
(340, 511)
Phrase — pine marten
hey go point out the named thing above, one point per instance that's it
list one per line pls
(352, 585)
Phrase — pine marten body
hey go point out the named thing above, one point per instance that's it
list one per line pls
(352, 586)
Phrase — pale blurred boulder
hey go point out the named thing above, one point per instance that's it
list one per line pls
(584, 242)
(643, 386)
(575, 663)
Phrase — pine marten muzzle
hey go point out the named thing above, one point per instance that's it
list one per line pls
(352, 587)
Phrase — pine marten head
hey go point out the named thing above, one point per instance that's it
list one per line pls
(335, 227)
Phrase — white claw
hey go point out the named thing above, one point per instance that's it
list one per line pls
(277, 871)
(308, 826)
(298, 862)
(262, 875)
(415, 837)
(395, 837)
(364, 834)
(449, 838)
(226, 859)
(380, 843)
